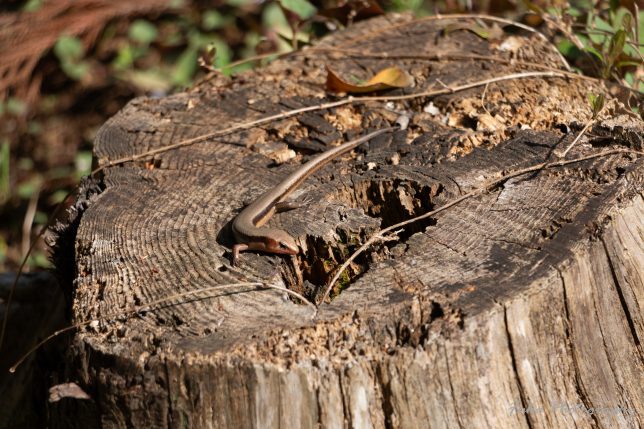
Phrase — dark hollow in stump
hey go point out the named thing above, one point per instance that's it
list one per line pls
(519, 307)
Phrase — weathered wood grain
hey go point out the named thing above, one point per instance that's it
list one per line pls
(518, 308)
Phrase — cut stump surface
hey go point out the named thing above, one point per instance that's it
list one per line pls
(519, 307)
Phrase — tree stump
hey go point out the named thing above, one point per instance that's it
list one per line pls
(518, 307)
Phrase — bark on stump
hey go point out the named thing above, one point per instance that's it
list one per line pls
(521, 307)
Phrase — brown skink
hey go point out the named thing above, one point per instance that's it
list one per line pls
(247, 226)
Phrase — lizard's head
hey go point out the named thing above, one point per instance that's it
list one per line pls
(281, 242)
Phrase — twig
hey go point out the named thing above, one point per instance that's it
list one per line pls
(28, 221)
(540, 166)
(257, 58)
(574, 142)
(148, 307)
(592, 121)
(483, 101)
(291, 292)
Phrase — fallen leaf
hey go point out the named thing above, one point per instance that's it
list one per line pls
(391, 77)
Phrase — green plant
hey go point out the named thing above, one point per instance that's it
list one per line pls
(32, 5)
(596, 103)
(302, 8)
(70, 52)
(607, 41)
(606, 34)
(13, 106)
(415, 6)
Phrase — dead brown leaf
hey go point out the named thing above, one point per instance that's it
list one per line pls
(391, 77)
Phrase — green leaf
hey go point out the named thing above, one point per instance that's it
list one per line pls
(599, 38)
(405, 5)
(39, 260)
(15, 106)
(631, 51)
(624, 18)
(75, 70)
(273, 17)
(568, 49)
(585, 41)
(69, 49)
(620, 64)
(640, 27)
(34, 127)
(596, 103)
(613, 5)
(3, 250)
(239, 3)
(173, 39)
(211, 20)
(143, 32)
(584, 4)
(301, 8)
(185, 66)
(70, 52)
(124, 58)
(32, 5)
(40, 218)
(574, 12)
(223, 53)
(554, 11)
(57, 197)
(596, 53)
(616, 45)
(26, 189)
(83, 162)
(600, 24)
(198, 40)
(229, 71)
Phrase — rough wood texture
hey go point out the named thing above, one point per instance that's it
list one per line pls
(518, 308)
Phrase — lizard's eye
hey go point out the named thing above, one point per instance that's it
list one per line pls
(283, 245)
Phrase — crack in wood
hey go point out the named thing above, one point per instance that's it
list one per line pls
(579, 388)
(525, 406)
(620, 294)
